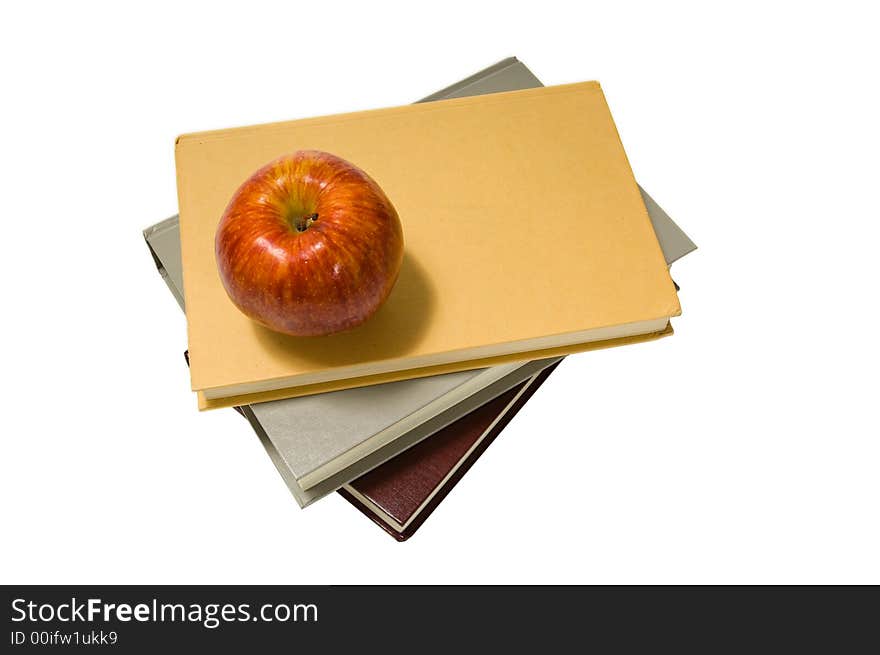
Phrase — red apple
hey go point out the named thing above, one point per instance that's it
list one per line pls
(309, 245)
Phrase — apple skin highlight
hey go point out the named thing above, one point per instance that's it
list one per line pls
(309, 245)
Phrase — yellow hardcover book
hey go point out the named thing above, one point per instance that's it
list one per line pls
(525, 235)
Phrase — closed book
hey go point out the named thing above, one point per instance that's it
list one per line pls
(509, 202)
(400, 495)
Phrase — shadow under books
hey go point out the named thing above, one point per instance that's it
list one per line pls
(390, 332)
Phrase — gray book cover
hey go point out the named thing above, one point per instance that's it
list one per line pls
(322, 442)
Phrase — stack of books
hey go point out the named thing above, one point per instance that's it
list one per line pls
(527, 239)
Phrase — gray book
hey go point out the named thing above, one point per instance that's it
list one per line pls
(321, 442)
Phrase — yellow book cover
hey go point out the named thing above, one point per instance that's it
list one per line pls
(525, 234)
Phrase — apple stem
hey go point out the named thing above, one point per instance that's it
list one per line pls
(304, 222)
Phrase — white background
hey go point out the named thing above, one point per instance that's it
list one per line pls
(743, 450)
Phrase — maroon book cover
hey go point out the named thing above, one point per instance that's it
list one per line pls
(399, 495)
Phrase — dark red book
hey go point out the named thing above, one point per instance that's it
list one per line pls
(399, 495)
